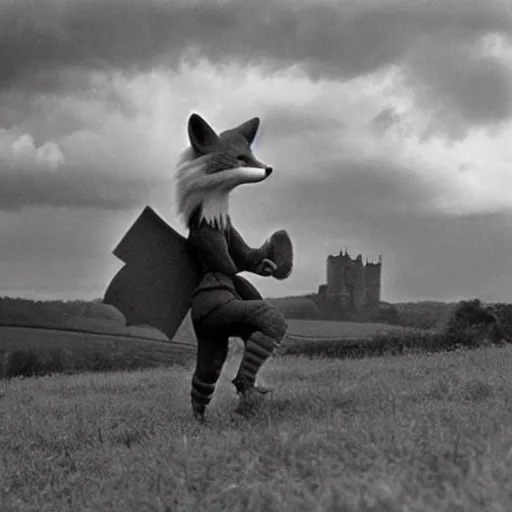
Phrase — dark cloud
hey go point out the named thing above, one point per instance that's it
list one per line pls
(26, 184)
(41, 101)
(461, 86)
(386, 118)
(45, 117)
(291, 122)
(91, 35)
(351, 190)
(41, 43)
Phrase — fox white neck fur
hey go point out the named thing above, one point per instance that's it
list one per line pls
(197, 186)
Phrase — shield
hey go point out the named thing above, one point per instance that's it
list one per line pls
(155, 286)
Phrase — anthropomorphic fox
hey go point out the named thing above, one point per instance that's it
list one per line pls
(225, 305)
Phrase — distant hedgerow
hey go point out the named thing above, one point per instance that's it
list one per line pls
(22, 363)
(28, 363)
(390, 343)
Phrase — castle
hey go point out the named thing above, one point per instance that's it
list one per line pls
(353, 288)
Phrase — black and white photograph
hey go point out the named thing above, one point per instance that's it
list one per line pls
(255, 255)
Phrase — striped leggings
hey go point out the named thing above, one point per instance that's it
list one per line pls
(260, 325)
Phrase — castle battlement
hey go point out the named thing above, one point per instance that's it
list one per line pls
(353, 288)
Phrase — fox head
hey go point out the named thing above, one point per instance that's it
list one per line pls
(212, 166)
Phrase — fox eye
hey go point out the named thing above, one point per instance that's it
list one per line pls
(243, 159)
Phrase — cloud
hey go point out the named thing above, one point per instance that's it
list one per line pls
(386, 118)
(50, 153)
(317, 121)
(25, 186)
(24, 145)
(48, 156)
(330, 38)
(50, 46)
(72, 183)
(460, 85)
(100, 157)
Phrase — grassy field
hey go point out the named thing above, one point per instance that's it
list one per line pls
(415, 433)
(72, 351)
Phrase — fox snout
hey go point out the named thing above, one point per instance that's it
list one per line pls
(258, 165)
(251, 174)
(250, 161)
(267, 169)
(254, 169)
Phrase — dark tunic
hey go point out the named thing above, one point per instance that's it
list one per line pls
(221, 255)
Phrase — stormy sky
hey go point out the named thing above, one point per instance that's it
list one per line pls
(388, 124)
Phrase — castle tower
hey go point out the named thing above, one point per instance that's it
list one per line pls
(353, 287)
(373, 286)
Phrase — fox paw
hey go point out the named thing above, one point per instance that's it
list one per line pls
(266, 268)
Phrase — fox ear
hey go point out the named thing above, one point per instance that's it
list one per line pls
(202, 136)
(249, 129)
